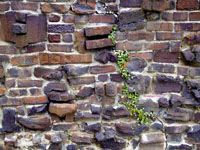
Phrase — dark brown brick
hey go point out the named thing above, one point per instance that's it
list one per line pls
(166, 57)
(101, 43)
(24, 6)
(4, 58)
(116, 77)
(95, 31)
(146, 55)
(102, 19)
(81, 80)
(77, 19)
(152, 26)
(24, 60)
(83, 9)
(1, 71)
(194, 16)
(15, 93)
(111, 89)
(129, 46)
(168, 36)
(67, 38)
(187, 27)
(60, 47)
(30, 83)
(19, 73)
(102, 69)
(54, 38)
(182, 71)
(161, 68)
(130, 3)
(50, 8)
(5, 101)
(187, 5)
(103, 77)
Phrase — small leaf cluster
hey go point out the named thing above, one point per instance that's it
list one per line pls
(112, 35)
(122, 58)
(142, 116)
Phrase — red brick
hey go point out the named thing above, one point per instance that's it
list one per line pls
(102, 69)
(78, 58)
(50, 8)
(7, 50)
(187, 4)
(54, 38)
(168, 36)
(60, 47)
(152, 26)
(54, 18)
(80, 41)
(146, 55)
(15, 93)
(94, 31)
(129, 46)
(30, 83)
(35, 100)
(4, 7)
(51, 59)
(149, 36)
(24, 6)
(176, 16)
(24, 60)
(102, 19)
(194, 16)
(157, 46)
(100, 43)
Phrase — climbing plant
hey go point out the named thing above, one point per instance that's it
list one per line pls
(132, 97)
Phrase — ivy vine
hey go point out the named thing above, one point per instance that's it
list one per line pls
(132, 97)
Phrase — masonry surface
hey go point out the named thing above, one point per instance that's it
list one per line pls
(59, 85)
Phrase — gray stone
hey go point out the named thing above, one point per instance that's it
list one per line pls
(72, 70)
(163, 102)
(188, 55)
(136, 64)
(151, 138)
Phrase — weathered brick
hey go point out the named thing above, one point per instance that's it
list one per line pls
(35, 91)
(24, 6)
(187, 5)
(158, 46)
(85, 92)
(183, 71)
(112, 8)
(100, 89)
(136, 64)
(130, 3)
(100, 43)
(77, 19)
(10, 83)
(81, 80)
(102, 69)
(15, 93)
(194, 16)
(176, 129)
(60, 47)
(1, 71)
(61, 28)
(4, 7)
(188, 55)
(54, 38)
(146, 55)
(82, 138)
(149, 36)
(62, 109)
(103, 77)
(2, 90)
(155, 5)
(51, 59)
(35, 100)
(72, 70)
(54, 18)
(129, 46)
(156, 146)
(5, 101)
(102, 19)
(31, 48)
(167, 84)
(105, 56)
(168, 36)
(19, 73)
(153, 26)
(161, 68)
(4, 58)
(67, 38)
(24, 60)
(166, 57)
(187, 27)
(111, 89)
(150, 138)
(107, 1)
(80, 41)
(95, 31)
(176, 16)
(116, 77)
(7, 50)
(30, 83)
(50, 8)
(83, 9)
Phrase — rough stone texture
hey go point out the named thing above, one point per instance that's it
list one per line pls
(136, 64)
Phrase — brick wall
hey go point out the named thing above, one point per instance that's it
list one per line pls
(59, 86)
